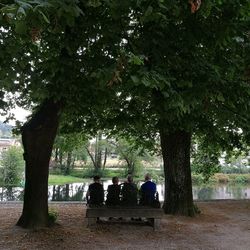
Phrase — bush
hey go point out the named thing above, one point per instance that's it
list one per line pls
(221, 178)
(241, 179)
(197, 179)
(105, 173)
(52, 216)
(12, 166)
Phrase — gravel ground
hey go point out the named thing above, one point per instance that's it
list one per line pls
(221, 225)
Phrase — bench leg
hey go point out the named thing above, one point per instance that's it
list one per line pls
(157, 223)
(91, 221)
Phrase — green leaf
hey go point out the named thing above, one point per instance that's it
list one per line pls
(24, 4)
(137, 60)
(220, 97)
(20, 27)
(44, 17)
(94, 3)
(165, 94)
(9, 9)
(135, 79)
(148, 11)
(21, 11)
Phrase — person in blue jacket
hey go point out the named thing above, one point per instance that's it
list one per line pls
(147, 191)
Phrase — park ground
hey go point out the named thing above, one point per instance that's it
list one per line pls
(221, 225)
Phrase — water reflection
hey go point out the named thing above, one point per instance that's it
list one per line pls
(77, 192)
(11, 194)
(67, 192)
(221, 192)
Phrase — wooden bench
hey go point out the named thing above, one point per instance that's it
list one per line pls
(153, 215)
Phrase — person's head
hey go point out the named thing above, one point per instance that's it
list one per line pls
(96, 178)
(130, 179)
(147, 177)
(115, 180)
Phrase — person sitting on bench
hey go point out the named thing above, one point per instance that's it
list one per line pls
(113, 195)
(95, 193)
(129, 192)
(148, 192)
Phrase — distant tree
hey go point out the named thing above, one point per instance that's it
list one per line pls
(205, 159)
(131, 153)
(12, 165)
(68, 148)
(98, 151)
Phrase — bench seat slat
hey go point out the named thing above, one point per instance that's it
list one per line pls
(124, 212)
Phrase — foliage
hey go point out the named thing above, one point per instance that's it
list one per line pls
(241, 179)
(67, 149)
(138, 67)
(197, 179)
(237, 161)
(104, 173)
(12, 165)
(205, 159)
(53, 214)
(231, 178)
(183, 78)
(234, 170)
(132, 154)
(98, 151)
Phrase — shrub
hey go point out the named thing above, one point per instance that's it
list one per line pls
(13, 166)
(241, 179)
(197, 179)
(52, 216)
(221, 178)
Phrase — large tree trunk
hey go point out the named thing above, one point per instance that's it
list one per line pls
(38, 137)
(178, 183)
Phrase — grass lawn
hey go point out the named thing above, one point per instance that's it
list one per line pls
(63, 179)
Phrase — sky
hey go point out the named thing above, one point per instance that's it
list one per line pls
(20, 115)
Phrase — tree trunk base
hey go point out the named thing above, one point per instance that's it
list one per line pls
(178, 183)
(187, 211)
(27, 222)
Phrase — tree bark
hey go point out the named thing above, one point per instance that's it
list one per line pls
(56, 155)
(92, 158)
(68, 163)
(38, 136)
(178, 183)
(61, 159)
(105, 158)
(99, 152)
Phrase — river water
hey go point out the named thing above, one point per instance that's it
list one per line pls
(77, 192)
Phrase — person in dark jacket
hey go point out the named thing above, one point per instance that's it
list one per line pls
(95, 193)
(129, 192)
(113, 195)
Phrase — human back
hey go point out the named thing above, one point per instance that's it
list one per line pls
(129, 193)
(113, 195)
(95, 193)
(147, 192)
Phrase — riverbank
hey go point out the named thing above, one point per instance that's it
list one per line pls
(221, 225)
(77, 177)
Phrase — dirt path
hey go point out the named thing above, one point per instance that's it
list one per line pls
(221, 225)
